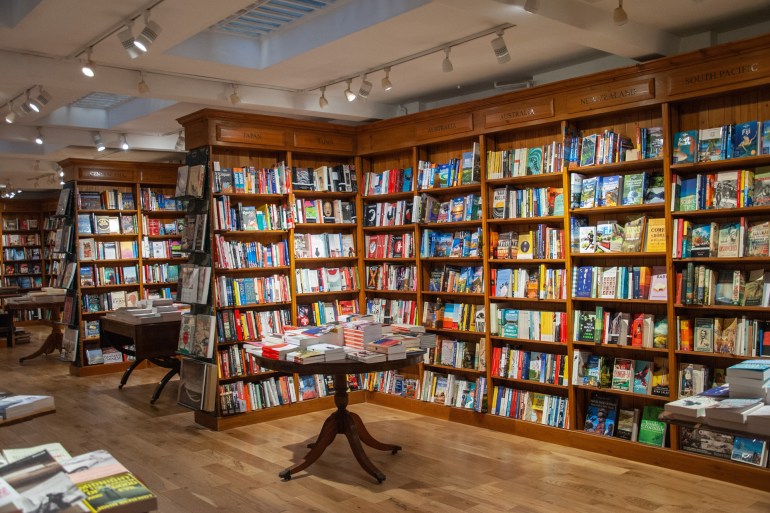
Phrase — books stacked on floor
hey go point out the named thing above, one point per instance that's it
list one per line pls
(19, 407)
(150, 311)
(20, 335)
(94, 481)
(750, 378)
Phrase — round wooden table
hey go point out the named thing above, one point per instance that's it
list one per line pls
(341, 421)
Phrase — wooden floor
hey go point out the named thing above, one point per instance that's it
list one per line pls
(444, 467)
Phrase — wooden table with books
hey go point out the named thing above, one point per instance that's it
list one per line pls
(341, 421)
(155, 342)
(55, 304)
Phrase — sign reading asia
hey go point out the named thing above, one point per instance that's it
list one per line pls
(592, 98)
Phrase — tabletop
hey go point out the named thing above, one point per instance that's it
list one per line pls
(338, 367)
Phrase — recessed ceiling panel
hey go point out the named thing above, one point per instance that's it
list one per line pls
(268, 16)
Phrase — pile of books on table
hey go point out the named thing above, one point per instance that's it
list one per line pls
(737, 410)
(47, 478)
(150, 311)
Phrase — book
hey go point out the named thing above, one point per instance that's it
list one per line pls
(745, 141)
(704, 334)
(633, 235)
(655, 238)
(685, 146)
(752, 451)
(704, 441)
(752, 369)
(651, 430)
(642, 377)
(204, 336)
(622, 374)
(628, 424)
(587, 239)
(601, 414)
(18, 407)
(123, 493)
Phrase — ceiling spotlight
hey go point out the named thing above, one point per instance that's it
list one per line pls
(98, 142)
(18, 191)
(322, 101)
(43, 97)
(619, 15)
(386, 84)
(126, 37)
(11, 116)
(179, 146)
(39, 136)
(532, 6)
(446, 64)
(148, 35)
(365, 89)
(142, 85)
(123, 142)
(500, 49)
(61, 182)
(350, 95)
(30, 105)
(234, 98)
(61, 173)
(88, 67)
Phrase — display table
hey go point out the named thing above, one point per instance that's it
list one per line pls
(155, 342)
(54, 340)
(340, 421)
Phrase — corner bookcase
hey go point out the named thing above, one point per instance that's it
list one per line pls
(540, 287)
(112, 206)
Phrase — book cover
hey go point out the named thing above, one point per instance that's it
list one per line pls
(726, 187)
(587, 239)
(588, 150)
(704, 334)
(628, 424)
(601, 414)
(709, 443)
(655, 238)
(642, 377)
(588, 192)
(752, 451)
(622, 374)
(660, 381)
(685, 146)
(655, 190)
(633, 234)
(710, 144)
(728, 244)
(610, 191)
(758, 239)
(651, 430)
(745, 141)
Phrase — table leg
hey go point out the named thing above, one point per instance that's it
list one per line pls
(158, 389)
(128, 371)
(344, 422)
(52, 342)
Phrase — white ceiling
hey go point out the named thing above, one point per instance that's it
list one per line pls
(191, 67)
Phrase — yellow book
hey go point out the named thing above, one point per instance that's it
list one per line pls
(546, 326)
(655, 241)
(525, 246)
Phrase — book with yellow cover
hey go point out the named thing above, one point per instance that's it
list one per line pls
(655, 241)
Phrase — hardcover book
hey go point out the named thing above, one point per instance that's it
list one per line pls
(651, 430)
(601, 414)
(622, 374)
(746, 139)
(685, 146)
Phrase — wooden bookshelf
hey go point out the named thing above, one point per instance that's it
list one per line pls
(135, 180)
(647, 96)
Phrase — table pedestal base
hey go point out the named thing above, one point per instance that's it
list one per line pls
(348, 423)
(52, 343)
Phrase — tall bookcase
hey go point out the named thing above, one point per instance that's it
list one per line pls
(22, 234)
(265, 146)
(714, 87)
(108, 214)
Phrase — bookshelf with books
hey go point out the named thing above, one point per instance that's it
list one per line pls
(606, 302)
(108, 218)
(285, 223)
(720, 168)
(23, 243)
(163, 225)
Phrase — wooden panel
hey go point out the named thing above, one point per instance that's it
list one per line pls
(323, 141)
(443, 127)
(381, 140)
(513, 113)
(694, 79)
(166, 175)
(251, 135)
(610, 95)
(107, 175)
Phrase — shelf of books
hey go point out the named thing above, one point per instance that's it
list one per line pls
(112, 216)
(608, 255)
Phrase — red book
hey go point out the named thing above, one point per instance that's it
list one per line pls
(637, 327)
(238, 328)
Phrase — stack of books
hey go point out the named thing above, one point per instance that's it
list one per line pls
(17, 407)
(361, 331)
(390, 346)
(749, 379)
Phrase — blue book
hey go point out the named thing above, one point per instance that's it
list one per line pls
(583, 281)
(765, 142)
(685, 146)
(745, 140)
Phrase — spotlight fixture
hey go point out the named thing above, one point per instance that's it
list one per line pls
(88, 67)
(18, 191)
(39, 137)
(142, 85)
(532, 6)
(350, 95)
(98, 142)
(11, 116)
(123, 142)
(234, 98)
(179, 146)
(61, 182)
(386, 84)
(446, 64)
(500, 49)
(322, 101)
(29, 105)
(365, 89)
(148, 35)
(126, 37)
(61, 173)
(43, 96)
(619, 15)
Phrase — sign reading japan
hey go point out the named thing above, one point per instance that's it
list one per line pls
(251, 135)
(609, 95)
(718, 74)
(519, 112)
